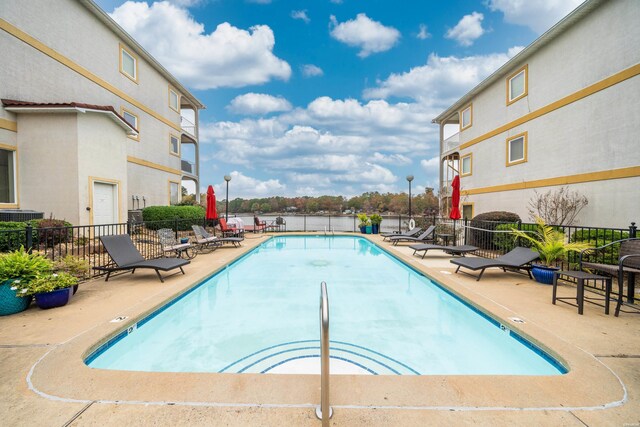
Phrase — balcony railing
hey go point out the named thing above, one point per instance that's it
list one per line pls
(188, 167)
(451, 143)
(187, 125)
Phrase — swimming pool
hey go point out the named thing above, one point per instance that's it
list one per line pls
(260, 315)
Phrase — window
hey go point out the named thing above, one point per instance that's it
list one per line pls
(128, 64)
(174, 192)
(517, 85)
(174, 100)
(466, 117)
(467, 211)
(466, 167)
(517, 149)
(132, 119)
(174, 145)
(7, 176)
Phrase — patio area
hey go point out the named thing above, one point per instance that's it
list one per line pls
(46, 382)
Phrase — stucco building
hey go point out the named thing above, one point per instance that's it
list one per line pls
(563, 111)
(91, 125)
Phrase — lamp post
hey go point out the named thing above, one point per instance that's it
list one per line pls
(410, 178)
(226, 211)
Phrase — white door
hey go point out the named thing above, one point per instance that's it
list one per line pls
(105, 203)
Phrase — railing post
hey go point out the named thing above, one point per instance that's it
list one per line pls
(329, 222)
(399, 223)
(466, 230)
(175, 227)
(519, 228)
(28, 237)
(129, 227)
(633, 230)
(305, 222)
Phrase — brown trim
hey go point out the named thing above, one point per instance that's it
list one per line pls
(569, 99)
(8, 125)
(630, 172)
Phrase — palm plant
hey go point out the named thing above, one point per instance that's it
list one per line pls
(549, 243)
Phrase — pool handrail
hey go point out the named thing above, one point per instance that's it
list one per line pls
(324, 411)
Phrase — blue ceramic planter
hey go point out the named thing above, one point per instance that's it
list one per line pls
(543, 274)
(375, 228)
(9, 302)
(53, 299)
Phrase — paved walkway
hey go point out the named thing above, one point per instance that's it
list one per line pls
(44, 381)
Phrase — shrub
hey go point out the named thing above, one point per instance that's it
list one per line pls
(489, 221)
(157, 217)
(45, 283)
(23, 266)
(12, 235)
(505, 240)
(51, 231)
(601, 237)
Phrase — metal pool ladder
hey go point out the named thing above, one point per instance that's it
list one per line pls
(324, 411)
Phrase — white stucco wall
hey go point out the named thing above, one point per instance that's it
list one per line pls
(71, 30)
(593, 134)
(47, 164)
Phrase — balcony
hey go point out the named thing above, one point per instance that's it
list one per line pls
(188, 126)
(188, 167)
(451, 143)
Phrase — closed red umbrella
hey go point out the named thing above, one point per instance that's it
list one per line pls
(212, 212)
(455, 199)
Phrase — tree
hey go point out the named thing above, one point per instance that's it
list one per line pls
(557, 207)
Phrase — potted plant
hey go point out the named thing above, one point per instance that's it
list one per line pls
(50, 289)
(375, 223)
(77, 267)
(552, 247)
(364, 222)
(18, 268)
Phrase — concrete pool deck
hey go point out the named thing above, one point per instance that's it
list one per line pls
(45, 381)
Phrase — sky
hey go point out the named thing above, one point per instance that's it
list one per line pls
(328, 97)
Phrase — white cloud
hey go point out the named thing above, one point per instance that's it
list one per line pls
(538, 15)
(370, 36)
(226, 57)
(245, 186)
(310, 70)
(467, 30)
(423, 34)
(187, 3)
(442, 80)
(258, 103)
(431, 165)
(300, 14)
(395, 159)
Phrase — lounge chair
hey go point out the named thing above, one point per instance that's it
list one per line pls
(452, 250)
(411, 233)
(427, 236)
(209, 242)
(628, 262)
(126, 257)
(171, 245)
(517, 259)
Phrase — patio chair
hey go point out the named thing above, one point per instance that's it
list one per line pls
(518, 258)
(257, 226)
(127, 257)
(628, 262)
(411, 233)
(171, 245)
(227, 230)
(452, 250)
(427, 236)
(209, 242)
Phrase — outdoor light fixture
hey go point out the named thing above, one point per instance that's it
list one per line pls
(226, 213)
(410, 178)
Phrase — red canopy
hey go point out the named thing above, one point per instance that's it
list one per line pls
(212, 213)
(455, 199)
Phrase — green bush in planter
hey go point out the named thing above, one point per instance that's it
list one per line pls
(45, 283)
(18, 268)
(157, 217)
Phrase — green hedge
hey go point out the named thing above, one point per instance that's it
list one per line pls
(158, 217)
(597, 238)
(507, 242)
(13, 235)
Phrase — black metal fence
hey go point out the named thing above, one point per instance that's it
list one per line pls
(492, 238)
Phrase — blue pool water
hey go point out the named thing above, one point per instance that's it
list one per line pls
(261, 313)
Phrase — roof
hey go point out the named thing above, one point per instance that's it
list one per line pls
(578, 13)
(68, 107)
(133, 44)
